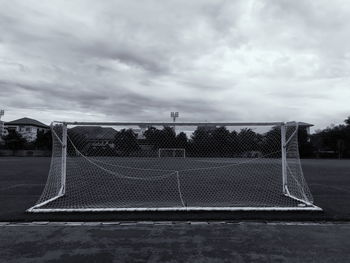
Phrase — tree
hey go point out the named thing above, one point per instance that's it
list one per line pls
(221, 142)
(347, 121)
(181, 140)
(306, 148)
(165, 138)
(14, 140)
(43, 140)
(233, 143)
(248, 140)
(151, 135)
(334, 139)
(200, 142)
(126, 142)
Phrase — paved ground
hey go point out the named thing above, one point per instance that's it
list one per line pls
(22, 181)
(181, 242)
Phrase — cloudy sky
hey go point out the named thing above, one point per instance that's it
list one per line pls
(210, 60)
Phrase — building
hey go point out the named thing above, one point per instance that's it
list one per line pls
(27, 127)
(96, 135)
(139, 132)
(93, 140)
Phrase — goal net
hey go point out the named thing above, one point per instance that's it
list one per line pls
(228, 166)
(171, 152)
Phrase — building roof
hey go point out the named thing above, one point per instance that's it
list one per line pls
(28, 122)
(95, 132)
(305, 124)
(300, 124)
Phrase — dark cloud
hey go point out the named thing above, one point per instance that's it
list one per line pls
(222, 60)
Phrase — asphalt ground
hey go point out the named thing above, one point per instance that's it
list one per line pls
(179, 242)
(22, 181)
(173, 237)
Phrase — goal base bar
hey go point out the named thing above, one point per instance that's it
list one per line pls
(169, 209)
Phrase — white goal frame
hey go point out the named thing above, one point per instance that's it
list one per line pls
(172, 149)
(307, 206)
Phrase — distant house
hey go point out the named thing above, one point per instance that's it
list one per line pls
(27, 127)
(95, 138)
(139, 132)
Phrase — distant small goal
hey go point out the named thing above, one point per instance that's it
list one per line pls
(172, 152)
(187, 166)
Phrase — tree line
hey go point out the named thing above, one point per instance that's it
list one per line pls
(15, 141)
(203, 142)
(332, 142)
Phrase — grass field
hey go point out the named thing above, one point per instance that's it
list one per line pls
(22, 181)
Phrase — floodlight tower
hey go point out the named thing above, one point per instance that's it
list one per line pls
(174, 115)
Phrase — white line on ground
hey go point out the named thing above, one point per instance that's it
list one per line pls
(145, 223)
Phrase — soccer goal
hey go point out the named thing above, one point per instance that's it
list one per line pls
(228, 166)
(171, 152)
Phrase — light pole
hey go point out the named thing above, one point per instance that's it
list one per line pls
(174, 115)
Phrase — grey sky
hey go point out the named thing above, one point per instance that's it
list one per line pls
(210, 60)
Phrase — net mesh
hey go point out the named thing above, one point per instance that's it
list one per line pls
(171, 152)
(119, 167)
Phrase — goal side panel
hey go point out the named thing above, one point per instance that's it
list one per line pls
(53, 184)
(296, 182)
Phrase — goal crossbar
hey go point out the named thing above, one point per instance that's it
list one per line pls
(185, 123)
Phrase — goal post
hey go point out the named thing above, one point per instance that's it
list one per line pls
(284, 158)
(64, 159)
(118, 166)
(171, 152)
